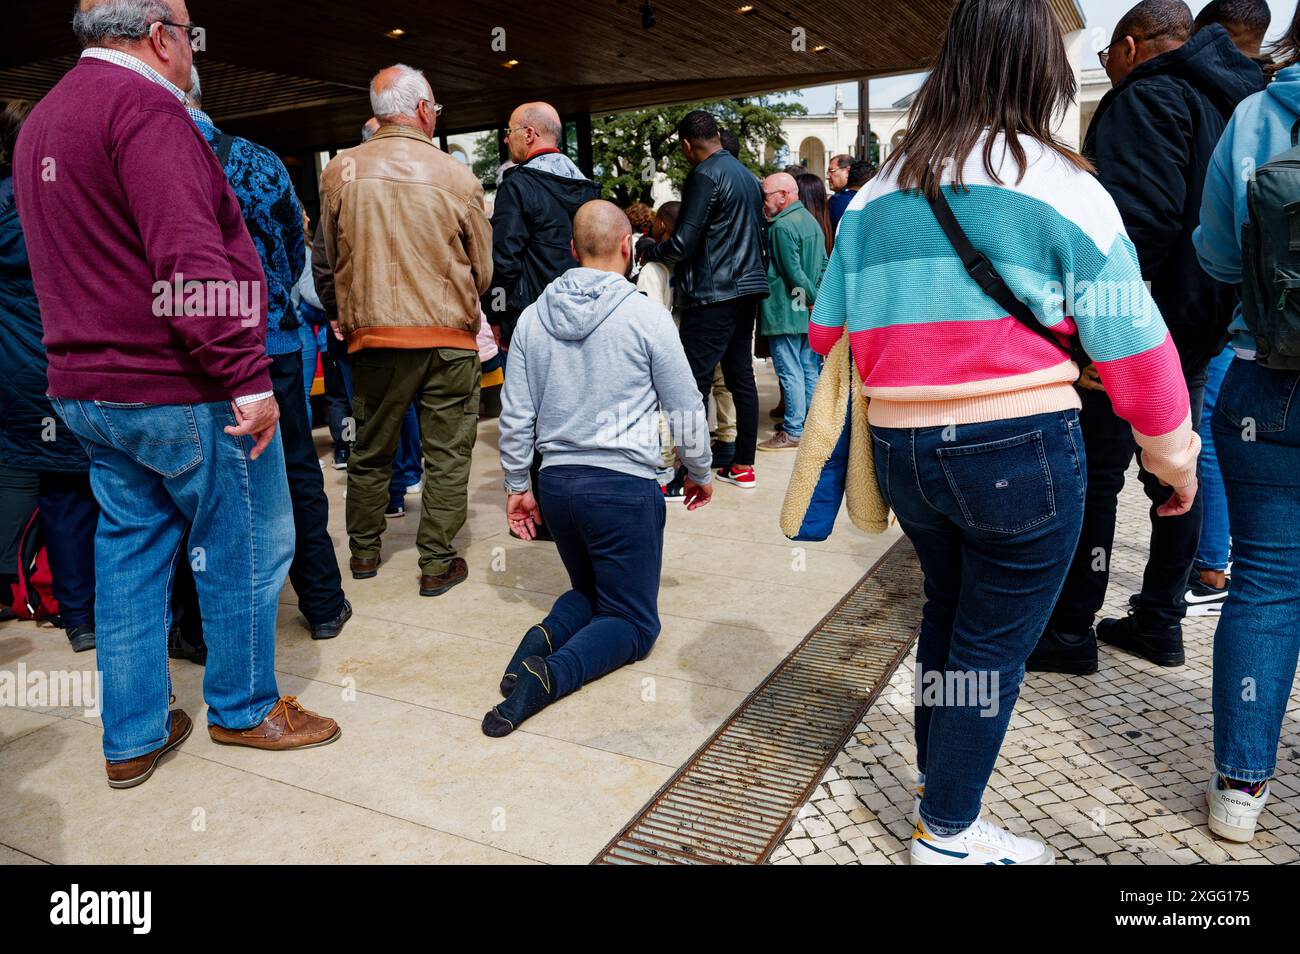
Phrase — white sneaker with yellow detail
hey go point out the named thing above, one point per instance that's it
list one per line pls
(983, 843)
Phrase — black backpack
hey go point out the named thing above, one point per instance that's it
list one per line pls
(1270, 259)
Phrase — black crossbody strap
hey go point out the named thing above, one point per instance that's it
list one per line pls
(223, 148)
(986, 275)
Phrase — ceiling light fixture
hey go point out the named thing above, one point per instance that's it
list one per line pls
(395, 34)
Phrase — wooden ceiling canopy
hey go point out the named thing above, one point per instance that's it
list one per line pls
(293, 74)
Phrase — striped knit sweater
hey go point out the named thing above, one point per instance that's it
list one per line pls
(934, 350)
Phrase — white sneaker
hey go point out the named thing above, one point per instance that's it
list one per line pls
(916, 802)
(1234, 813)
(983, 843)
(416, 488)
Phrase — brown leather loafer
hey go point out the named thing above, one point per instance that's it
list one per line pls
(287, 726)
(137, 770)
(431, 585)
(364, 568)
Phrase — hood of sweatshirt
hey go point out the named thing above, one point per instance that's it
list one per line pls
(561, 177)
(1285, 89)
(579, 301)
(1211, 63)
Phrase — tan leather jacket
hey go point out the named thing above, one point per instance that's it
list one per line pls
(409, 243)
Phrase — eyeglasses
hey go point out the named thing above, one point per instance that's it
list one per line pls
(436, 107)
(510, 131)
(1104, 55)
(193, 33)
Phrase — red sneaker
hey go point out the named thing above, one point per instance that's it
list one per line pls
(742, 477)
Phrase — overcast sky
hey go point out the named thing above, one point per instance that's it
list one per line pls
(1102, 15)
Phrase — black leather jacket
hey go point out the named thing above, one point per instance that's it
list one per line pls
(719, 248)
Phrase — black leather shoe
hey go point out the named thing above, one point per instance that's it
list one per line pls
(1162, 645)
(1073, 654)
(331, 628)
(81, 638)
(181, 646)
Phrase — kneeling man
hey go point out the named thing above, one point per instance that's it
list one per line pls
(592, 366)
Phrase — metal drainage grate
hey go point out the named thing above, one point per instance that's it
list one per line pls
(736, 797)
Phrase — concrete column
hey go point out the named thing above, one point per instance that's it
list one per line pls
(1068, 129)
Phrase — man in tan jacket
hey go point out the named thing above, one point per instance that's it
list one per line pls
(411, 249)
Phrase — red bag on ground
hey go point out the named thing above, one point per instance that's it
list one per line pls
(33, 595)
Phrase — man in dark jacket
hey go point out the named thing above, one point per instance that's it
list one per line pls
(34, 444)
(721, 262)
(1151, 140)
(532, 217)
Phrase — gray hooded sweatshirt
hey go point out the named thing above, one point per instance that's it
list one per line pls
(591, 366)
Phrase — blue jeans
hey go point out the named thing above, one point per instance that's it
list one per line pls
(1257, 435)
(1215, 550)
(797, 368)
(310, 353)
(408, 465)
(156, 471)
(994, 512)
(609, 531)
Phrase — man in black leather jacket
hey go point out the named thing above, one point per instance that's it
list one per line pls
(721, 264)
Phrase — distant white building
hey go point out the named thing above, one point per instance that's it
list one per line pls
(813, 139)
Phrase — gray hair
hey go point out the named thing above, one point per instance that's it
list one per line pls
(109, 20)
(195, 95)
(403, 95)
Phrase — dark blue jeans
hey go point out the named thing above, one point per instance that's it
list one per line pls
(609, 530)
(70, 516)
(994, 511)
(1257, 436)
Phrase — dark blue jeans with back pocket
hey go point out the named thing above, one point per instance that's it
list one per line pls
(994, 511)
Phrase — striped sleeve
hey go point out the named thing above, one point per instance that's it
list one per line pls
(829, 312)
(1126, 337)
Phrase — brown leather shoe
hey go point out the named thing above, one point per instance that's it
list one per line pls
(137, 770)
(431, 585)
(287, 726)
(364, 568)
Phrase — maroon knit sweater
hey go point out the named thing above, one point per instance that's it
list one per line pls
(120, 196)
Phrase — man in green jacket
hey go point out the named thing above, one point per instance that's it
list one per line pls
(794, 271)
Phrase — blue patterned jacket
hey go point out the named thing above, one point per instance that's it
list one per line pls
(274, 219)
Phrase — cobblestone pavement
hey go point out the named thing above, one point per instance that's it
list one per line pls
(1110, 768)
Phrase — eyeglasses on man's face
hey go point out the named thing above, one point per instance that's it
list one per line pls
(436, 107)
(194, 34)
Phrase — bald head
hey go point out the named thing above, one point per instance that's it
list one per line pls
(602, 237)
(533, 126)
(779, 190)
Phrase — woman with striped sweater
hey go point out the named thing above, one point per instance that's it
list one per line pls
(974, 416)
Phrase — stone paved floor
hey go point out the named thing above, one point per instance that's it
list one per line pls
(1110, 768)
(413, 779)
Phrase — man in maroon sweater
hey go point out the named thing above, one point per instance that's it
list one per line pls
(151, 294)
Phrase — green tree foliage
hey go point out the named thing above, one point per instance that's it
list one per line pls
(487, 160)
(629, 148)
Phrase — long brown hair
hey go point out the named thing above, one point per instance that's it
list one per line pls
(13, 114)
(1002, 68)
(812, 193)
(1286, 51)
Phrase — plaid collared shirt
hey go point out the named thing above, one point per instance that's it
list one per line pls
(135, 65)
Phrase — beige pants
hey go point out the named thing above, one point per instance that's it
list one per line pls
(726, 431)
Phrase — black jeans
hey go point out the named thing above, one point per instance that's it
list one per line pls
(1110, 449)
(337, 403)
(723, 333)
(18, 498)
(314, 572)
